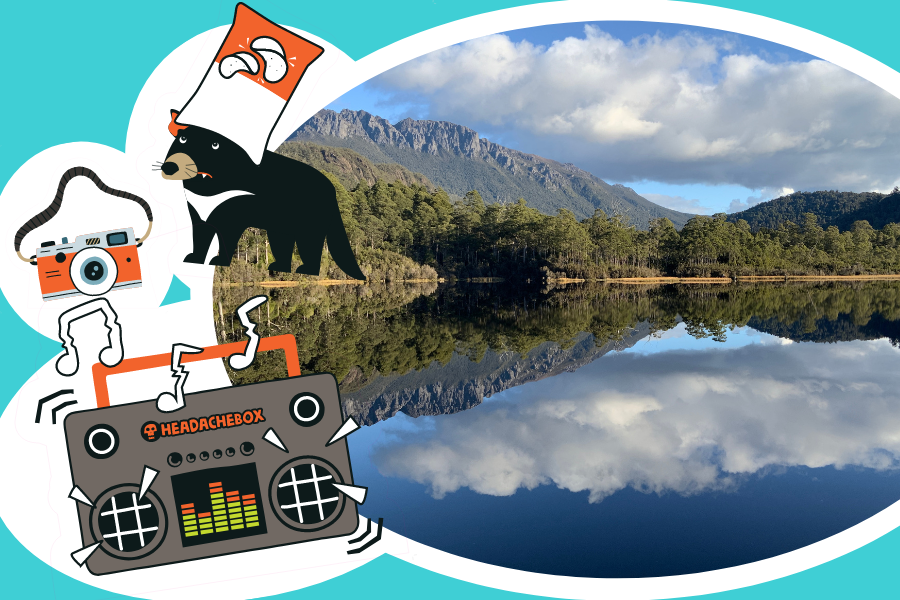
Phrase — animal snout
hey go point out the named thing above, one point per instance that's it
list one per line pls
(179, 166)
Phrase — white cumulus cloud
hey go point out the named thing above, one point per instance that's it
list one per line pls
(685, 108)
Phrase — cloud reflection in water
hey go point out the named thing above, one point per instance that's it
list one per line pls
(679, 421)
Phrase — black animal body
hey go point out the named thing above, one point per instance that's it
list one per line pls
(292, 201)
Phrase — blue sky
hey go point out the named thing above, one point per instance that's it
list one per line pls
(696, 119)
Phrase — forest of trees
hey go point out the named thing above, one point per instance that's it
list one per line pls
(402, 232)
(840, 209)
(367, 330)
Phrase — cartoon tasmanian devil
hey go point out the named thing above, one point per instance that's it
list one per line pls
(291, 200)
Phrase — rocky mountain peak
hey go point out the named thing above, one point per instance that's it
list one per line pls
(456, 158)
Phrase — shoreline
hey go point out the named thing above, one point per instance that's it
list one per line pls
(571, 280)
(736, 279)
(323, 282)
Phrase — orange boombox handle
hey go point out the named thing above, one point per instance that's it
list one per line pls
(286, 342)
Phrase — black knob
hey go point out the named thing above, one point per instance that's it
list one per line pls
(60, 257)
(306, 409)
(191, 457)
(204, 455)
(101, 441)
(48, 244)
(229, 451)
(217, 453)
(174, 459)
(247, 448)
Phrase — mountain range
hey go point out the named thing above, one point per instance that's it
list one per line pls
(463, 383)
(458, 160)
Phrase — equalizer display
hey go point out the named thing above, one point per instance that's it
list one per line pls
(218, 504)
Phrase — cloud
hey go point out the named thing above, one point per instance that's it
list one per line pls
(737, 206)
(766, 194)
(681, 421)
(679, 109)
(679, 203)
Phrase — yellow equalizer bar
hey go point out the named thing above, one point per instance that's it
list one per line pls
(189, 520)
(230, 511)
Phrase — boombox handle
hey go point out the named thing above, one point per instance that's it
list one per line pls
(286, 342)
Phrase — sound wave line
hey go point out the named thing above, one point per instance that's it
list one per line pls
(60, 407)
(371, 542)
(46, 399)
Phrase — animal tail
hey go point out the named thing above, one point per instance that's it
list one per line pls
(339, 247)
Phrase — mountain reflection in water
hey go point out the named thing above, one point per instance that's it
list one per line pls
(707, 439)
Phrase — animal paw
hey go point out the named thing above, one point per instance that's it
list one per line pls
(220, 261)
(307, 270)
(280, 267)
(195, 258)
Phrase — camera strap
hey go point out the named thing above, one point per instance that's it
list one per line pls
(50, 212)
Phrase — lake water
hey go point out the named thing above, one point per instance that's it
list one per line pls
(611, 431)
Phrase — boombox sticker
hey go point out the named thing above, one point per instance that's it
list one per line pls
(212, 482)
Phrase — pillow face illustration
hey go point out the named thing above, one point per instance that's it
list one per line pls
(250, 81)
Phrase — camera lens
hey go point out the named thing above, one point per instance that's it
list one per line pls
(94, 271)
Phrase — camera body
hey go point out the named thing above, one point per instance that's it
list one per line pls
(95, 264)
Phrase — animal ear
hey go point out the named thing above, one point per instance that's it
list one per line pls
(174, 127)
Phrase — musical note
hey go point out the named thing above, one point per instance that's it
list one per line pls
(111, 355)
(243, 360)
(167, 402)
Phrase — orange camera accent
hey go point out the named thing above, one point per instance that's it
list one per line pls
(93, 265)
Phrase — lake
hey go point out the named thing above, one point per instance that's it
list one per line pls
(607, 430)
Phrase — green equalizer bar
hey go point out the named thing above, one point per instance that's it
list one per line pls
(230, 511)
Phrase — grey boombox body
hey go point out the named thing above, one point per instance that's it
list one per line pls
(225, 483)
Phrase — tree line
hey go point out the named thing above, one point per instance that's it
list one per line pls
(841, 209)
(403, 232)
(469, 238)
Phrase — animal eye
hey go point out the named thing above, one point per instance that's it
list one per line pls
(182, 139)
(215, 145)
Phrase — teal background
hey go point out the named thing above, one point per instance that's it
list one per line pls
(178, 292)
(74, 71)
